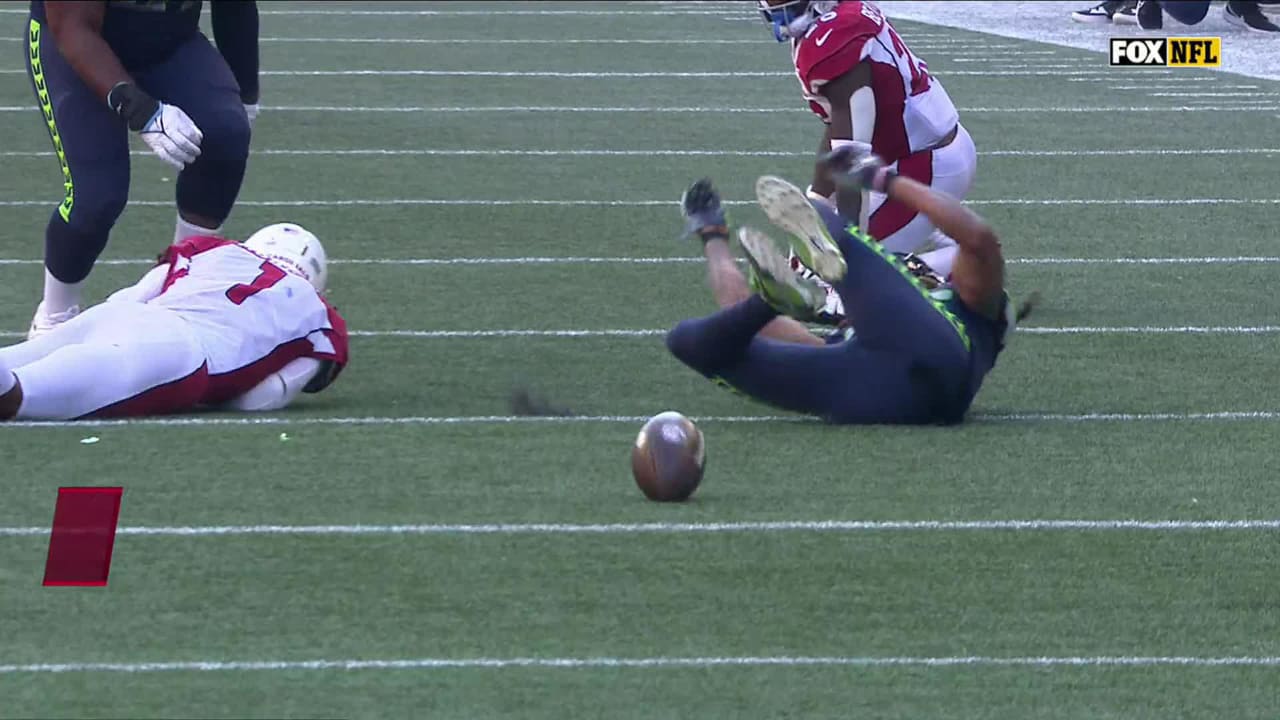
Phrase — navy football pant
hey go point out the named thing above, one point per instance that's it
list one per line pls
(907, 364)
(92, 145)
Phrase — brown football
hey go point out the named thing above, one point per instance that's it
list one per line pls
(668, 458)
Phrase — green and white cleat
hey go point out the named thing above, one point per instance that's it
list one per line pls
(772, 277)
(789, 208)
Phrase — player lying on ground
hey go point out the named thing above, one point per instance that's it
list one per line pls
(910, 354)
(868, 88)
(216, 323)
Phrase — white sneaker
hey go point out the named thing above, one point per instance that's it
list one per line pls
(45, 322)
(790, 209)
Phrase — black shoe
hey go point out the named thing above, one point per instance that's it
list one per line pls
(1248, 15)
(1150, 16)
(1098, 14)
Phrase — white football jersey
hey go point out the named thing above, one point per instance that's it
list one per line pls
(251, 317)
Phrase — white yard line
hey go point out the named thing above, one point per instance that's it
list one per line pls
(764, 526)
(664, 12)
(1111, 109)
(571, 663)
(665, 152)
(656, 332)
(586, 260)
(425, 421)
(393, 202)
(1178, 86)
(1269, 97)
(1066, 70)
(979, 51)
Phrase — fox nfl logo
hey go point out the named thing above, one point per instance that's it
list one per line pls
(1167, 52)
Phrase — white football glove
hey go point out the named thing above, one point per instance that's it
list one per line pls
(172, 135)
(252, 111)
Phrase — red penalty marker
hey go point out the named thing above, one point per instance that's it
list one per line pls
(84, 531)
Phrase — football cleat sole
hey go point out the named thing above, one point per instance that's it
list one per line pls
(787, 291)
(790, 209)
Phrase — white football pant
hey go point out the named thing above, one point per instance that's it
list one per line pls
(114, 359)
(949, 170)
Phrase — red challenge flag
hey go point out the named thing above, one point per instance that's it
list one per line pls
(84, 531)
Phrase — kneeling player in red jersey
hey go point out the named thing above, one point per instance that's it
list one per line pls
(867, 86)
(236, 326)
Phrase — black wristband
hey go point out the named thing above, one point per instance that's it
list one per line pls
(713, 232)
(131, 103)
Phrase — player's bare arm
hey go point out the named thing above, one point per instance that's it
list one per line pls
(853, 120)
(853, 114)
(822, 185)
(235, 30)
(77, 28)
(978, 275)
(730, 288)
(705, 219)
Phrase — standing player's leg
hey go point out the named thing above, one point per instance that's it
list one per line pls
(196, 78)
(954, 168)
(92, 147)
(129, 359)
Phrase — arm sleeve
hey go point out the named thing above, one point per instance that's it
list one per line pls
(146, 289)
(279, 388)
(235, 29)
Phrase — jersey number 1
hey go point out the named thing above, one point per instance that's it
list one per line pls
(269, 276)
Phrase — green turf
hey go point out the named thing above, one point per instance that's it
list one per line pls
(751, 593)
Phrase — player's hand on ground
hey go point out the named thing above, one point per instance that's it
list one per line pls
(703, 214)
(252, 110)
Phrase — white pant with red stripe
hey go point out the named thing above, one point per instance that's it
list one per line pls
(116, 359)
(950, 170)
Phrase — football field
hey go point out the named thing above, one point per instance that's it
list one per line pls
(496, 185)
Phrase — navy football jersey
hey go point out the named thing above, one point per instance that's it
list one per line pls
(143, 32)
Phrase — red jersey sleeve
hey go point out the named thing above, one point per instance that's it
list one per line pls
(178, 256)
(334, 344)
(834, 44)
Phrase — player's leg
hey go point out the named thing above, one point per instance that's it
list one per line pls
(196, 78)
(1187, 12)
(954, 169)
(888, 308)
(133, 360)
(843, 383)
(92, 148)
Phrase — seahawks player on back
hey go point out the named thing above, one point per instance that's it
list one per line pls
(918, 350)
